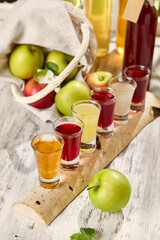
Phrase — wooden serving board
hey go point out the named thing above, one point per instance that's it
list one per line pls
(43, 205)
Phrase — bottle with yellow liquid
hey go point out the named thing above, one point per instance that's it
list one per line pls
(121, 27)
(99, 14)
(76, 3)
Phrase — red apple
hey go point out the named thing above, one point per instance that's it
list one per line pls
(32, 87)
(98, 79)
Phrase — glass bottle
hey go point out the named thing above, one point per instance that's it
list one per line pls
(76, 3)
(121, 27)
(140, 38)
(99, 14)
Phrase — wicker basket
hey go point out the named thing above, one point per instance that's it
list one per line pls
(88, 49)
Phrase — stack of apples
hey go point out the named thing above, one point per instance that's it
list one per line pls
(25, 61)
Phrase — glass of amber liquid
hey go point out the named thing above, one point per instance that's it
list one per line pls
(48, 148)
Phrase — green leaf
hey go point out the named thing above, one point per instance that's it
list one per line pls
(52, 66)
(88, 233)
(40, 73)
(77, 236)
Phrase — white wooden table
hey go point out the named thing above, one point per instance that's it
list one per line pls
(140, 162)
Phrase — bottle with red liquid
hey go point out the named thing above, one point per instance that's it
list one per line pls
(140, 38)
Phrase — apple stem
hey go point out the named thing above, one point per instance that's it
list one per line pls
(93, 187)
(101, 78)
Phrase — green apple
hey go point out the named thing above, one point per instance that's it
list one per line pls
(98, 79)
(25, 60)
(74, 71)
(57, 58)
(109, 190)
(72, 92)
(62, 60)
(72, 74)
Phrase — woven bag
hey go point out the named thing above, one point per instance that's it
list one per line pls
(88, 49)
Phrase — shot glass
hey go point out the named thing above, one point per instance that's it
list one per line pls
(48, 148)
(106, 97)
(125, 88)
(141, 75)
(88, 111)
(70, 129)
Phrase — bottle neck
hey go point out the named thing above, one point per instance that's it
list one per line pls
(146, 2)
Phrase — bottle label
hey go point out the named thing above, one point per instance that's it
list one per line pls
(133, 9)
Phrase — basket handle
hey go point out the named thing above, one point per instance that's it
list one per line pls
(45, 91)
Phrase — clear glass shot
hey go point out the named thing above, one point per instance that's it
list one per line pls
(88, 111)
(125, 88)
(141, 75)
(106, 97)
(47, 149)
(70, 129)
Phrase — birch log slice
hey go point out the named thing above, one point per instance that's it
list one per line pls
(43, 205)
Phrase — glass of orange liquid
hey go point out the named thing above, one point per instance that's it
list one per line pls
(48, 148)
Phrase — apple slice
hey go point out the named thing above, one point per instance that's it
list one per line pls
(98, 79)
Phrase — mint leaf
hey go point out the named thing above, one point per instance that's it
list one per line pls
(52, 66)
(88, 233)
(40, 73)
(77, 236)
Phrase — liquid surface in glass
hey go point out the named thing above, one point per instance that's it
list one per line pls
(48, 161)
(107, 108)
(72, 143)
(125, 93)
(89, 114)
(140, 76)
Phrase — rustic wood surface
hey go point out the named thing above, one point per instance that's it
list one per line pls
(140, 162)
(52, 202)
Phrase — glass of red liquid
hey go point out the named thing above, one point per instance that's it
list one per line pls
(70, 129)
(106, 97)
(141, 75)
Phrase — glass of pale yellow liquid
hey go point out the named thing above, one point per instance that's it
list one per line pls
(88, 111)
